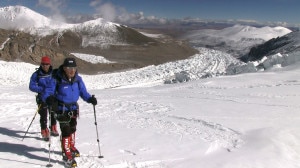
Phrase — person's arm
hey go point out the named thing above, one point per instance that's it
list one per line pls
(34, 85)
(82, 90)
(85, 95)
(50, 89)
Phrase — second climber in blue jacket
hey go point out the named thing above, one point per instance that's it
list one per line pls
(39, 81)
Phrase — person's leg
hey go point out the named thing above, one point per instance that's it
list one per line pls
(53, 128)
(73, 124)
(66, 143)
(65, 140)
(43, 121)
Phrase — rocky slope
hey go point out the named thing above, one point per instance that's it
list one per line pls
(289, 43)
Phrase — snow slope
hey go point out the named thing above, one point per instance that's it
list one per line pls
(240, 121)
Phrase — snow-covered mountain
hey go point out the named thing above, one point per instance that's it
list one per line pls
(22, 18)
(236, 40)
(118, 43)
(94, 32)
(25, 19)
(287, 44)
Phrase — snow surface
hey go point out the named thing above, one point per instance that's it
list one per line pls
(95, 59)
(250, 120)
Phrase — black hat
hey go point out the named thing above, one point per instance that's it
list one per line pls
(69, 62)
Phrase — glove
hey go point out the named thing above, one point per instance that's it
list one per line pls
(50, 100)
(92, 100)
(38, 99)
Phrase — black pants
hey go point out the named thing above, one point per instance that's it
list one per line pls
(67, 122)
(44, 116)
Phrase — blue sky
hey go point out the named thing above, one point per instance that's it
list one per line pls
(259, 10)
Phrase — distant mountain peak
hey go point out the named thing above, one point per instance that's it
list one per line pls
(236, 40)
(24, 19)
(21, 18)
(11, 12)
(266, 33)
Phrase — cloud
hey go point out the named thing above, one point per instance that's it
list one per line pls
(55, 7)
(119, 14)
(108, 11)
(95, 3)
(114, 13)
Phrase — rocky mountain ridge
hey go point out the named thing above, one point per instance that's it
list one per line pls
(290, 43)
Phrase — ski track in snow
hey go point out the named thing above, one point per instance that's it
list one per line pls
(155, 116)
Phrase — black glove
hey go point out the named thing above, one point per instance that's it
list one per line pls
(50, 100)
(92, 100)
(38, 99)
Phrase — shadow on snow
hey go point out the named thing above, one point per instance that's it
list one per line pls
(21, 149)
(17, 134)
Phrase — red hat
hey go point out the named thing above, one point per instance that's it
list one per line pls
(45, 60)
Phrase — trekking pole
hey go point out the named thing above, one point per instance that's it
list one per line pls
(49, 123)
(100, 156)
(32, 120)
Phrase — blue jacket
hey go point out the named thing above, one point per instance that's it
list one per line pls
(68, 92)
(39, 81)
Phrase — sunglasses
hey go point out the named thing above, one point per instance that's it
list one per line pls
(71, 68)
(45, 64)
